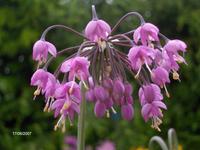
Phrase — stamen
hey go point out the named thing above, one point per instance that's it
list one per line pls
(70, 121)
(166, 91)
(107, 114)
(102, 45)
(39, 64)
(156, 122)
(59, 122)
(66, 105)
(113, 110)
(37, 92)
(85, 85)
(47, 105)
(176, 76)
(148, 67)
(63, 126)
(137, 75)
(51, 102)
(71, 88)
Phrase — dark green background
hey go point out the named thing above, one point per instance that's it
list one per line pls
(21, 24)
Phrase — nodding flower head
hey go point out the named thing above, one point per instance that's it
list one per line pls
(77, 67)
(146, 32)
(151, 101)
(67, 103)
(41, 49)
(97, 29)
(101, 65)
(150, 93)
(40, 79)
(160, 76)
(175, 46)
(139, 55)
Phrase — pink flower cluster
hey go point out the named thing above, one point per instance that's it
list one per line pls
(100, 65)
(148, 56)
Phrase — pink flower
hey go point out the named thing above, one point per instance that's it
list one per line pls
(77, 67)
(97, 30)
(175, 46)
(67, 103)
(71, 141)
(107, 145)
(149, 93)
(160, 76)
(151, 100)
(51, 86)
(99, 109)
(101, 93)
(69, 90)
(127, 112)
(40, 79)
(151, 110)
(118, 89)
(41, 49)
(146, 32)
(172, 48)
(139, 55)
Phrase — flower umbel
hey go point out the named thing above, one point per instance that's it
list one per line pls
(100, 65)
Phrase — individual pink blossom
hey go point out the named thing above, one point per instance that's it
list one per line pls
(151, 100)
(139, 55)
(149, 93)
(146, 32)
(175, 46)
(172, 48)
(77, 67)
(97, 30)
(127, 112)
(118, 89)
(101, 93)
(150, 110)
(41, 49)
(107, 145)
(71, 141)
(50, 92)
(40, 79)
(90, 96)
(67, 103)
(160, 76)
(99, 109)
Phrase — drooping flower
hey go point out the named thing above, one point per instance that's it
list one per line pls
(40, 79)
(175, 45)
(118, 89)
(50, 92)
(106, 145)
(41, 49)
(67, 103)
(172, 48)
(139, 55)
(151, 100)
(149, 93)
(160, 76)
(71, 141)
(127, 111)
(146, 32)
(99, 109)
(97, 30)
(77, 67)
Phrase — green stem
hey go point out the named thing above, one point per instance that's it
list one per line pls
(81, 121)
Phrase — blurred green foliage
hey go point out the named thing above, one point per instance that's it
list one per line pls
(21, 24)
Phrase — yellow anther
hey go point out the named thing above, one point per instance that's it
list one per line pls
(176, 76)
